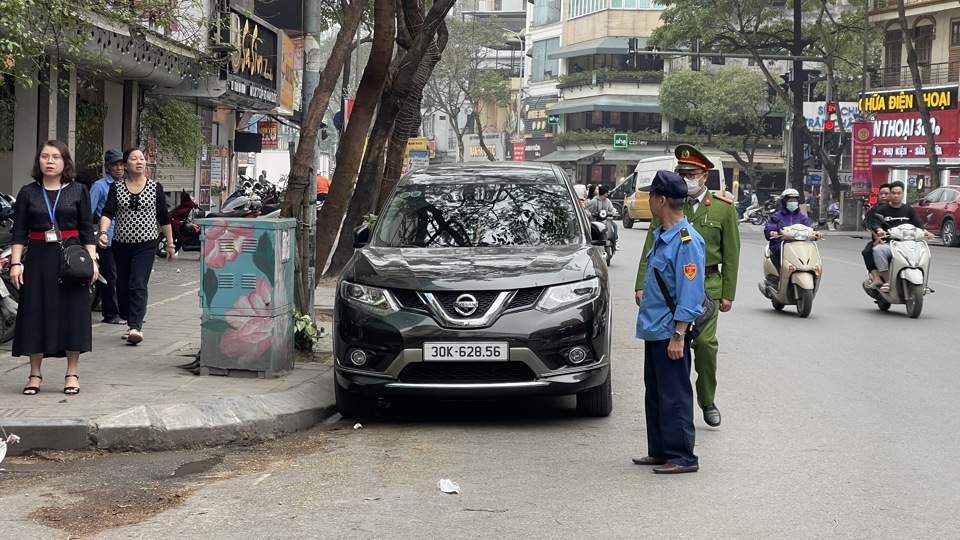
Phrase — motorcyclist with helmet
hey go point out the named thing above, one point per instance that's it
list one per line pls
(788, 214)
(602, 202)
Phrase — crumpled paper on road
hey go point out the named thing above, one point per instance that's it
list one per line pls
(12, 439)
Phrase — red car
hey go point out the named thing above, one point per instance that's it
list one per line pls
(944, 204)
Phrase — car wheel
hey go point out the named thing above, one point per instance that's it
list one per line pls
(353, 405)
(627, 220)
(597, 401)
(948, 232)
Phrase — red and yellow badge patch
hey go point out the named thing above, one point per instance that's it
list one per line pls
(690, 270)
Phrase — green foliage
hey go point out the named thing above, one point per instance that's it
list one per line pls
(90, 118)
(8, 105)
(717, 101)
(610, 75)
(175, 125)
(605, 137)
(461, 80)
(305, 331)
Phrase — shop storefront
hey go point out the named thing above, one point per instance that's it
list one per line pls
(899, 148)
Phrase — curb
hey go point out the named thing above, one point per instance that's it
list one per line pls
(170, 427)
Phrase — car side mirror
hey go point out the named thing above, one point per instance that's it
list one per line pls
(361, 236)
(922, 201)
(598, 233)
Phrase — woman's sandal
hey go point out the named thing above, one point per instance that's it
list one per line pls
(32, 390)
(71, 390)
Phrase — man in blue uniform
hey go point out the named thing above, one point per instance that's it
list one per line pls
(113, 163)
(677, 255)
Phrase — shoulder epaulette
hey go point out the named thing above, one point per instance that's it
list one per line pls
(684, 235)
(722, 198)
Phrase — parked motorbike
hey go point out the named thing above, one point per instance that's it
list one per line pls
(242, 203)
(9, 299)
(909, 271)
(186, 233)
(610, 244)
(797, 281)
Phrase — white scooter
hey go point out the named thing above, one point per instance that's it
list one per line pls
(798, 280)
(909, 271)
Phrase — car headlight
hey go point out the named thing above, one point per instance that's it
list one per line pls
(561, 296)
(373, 299)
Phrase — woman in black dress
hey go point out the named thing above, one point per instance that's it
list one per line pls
(53, 319)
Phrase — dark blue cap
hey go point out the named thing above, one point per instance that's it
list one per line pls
(669, 184)
(112, 156)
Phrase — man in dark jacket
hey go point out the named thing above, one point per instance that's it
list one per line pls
(886, 217)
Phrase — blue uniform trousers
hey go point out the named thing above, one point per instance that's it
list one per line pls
(668, 404)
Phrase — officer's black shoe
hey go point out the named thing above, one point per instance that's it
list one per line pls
(711, 415)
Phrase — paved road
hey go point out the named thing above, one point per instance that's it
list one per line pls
(841, 425)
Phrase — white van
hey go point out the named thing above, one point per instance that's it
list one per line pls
(636, 204)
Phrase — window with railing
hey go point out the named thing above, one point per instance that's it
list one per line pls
(955, 33)
(542, 67)
(892, 56)
(634, 4)
(923, 42)
(546, 12)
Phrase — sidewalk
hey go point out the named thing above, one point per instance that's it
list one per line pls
(136, 398)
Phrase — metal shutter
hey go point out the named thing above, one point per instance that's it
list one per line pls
(174, 176)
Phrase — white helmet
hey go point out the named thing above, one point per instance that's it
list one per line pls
(790, 192)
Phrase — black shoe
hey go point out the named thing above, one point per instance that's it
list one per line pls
(711, 415)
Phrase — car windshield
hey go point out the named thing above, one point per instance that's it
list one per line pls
(491, 213)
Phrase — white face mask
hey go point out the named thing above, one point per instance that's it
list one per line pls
(693, 185)
(793, 206)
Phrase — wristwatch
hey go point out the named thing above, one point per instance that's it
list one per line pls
(677, 336)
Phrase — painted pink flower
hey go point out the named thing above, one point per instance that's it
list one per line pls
(223, 244)
(253, 327)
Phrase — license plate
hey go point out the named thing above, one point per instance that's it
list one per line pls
(466, 351)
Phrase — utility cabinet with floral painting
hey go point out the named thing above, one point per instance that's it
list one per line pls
(246, 292)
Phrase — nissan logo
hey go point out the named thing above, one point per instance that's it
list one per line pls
(466, 305)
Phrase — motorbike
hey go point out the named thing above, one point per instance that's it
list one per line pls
(797, 281)
(909, 271)
(242, 203)
(9, 299)
(186, 233)
(610, 244)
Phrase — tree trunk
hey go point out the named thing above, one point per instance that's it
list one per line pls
(330, 218)
(918, 95)
(405, 69)
(409, 120)
(296, 201)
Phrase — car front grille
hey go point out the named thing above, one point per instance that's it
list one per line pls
(466, 372)
(408, 299)
(526, 297)
(484, 301)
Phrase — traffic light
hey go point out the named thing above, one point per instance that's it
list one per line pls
(830, 122)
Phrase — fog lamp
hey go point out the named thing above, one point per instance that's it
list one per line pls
(358, 357)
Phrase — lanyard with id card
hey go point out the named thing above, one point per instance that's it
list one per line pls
(53, 235)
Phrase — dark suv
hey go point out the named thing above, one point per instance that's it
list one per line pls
(478, 281)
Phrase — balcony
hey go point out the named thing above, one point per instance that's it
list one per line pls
(607, 76)
(893, 77)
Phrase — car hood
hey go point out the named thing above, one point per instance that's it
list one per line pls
(487, 268)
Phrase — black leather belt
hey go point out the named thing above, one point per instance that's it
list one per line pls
(711, 270)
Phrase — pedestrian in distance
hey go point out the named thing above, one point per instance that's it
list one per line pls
(53, 318)
(113, 163)
(323, 187)
(677, 255)
(715, 218)
(137, 205)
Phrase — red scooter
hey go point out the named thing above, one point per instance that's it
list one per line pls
(186, 233)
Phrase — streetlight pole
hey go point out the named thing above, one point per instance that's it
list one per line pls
(523, 52)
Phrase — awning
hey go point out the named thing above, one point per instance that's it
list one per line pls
(633, 155)
(604, 45)
(615, 103)
(569, 155)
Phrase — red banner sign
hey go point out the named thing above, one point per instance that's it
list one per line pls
(519, 151)
(862, 177)
(268, 130)
(901, 136)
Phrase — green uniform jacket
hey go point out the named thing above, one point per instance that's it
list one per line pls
(716, 221)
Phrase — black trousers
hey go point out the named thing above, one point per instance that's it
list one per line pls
(134, 264)
(868, 257)
(108, 290)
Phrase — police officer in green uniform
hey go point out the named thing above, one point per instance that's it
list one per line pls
(715, 218)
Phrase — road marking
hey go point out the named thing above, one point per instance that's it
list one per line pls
(172, 298)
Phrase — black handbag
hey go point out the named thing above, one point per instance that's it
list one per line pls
(707, 305)
(76, 264)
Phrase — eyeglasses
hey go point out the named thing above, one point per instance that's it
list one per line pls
(51, 157)
(689, 174)
(134, 201)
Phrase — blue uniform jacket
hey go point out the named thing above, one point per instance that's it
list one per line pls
(98, 198)
(682, 266)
